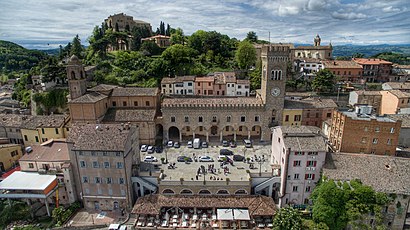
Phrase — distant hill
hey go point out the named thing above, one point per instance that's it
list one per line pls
(370, 50)
(14, 57)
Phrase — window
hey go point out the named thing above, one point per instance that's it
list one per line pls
(312, 153)
(42, 131)
(105, 154)
(364, 140)
(391, 130)
(311, 164)
(186, 118)
(135, 103)
(308, 115)
(328, 114)
(372, 151)
(389, 141)
(214, 119)
(31, 165)
(228, 119)
(366, 128)
(106, 164)
(296, 163)
(120, 180)
(297, 117)
(295, 188)
(243, 118)
(36, 138)
(25, 138)
(256, 118)
(82, 164)
(14, 153)
(310, 176)
(296, 176)
(189, 83)
(172, 119)
(85, 179)
(307, 189)
(287, 118)
(97, 180)
(119, 165)
(56, 130)
(114, 103)
(109, 180)
(93, 153)
(118, 154)
(200, 119)
(95, 164)
(299, 153)
(377, 129)
(375, 140)
(147, 103)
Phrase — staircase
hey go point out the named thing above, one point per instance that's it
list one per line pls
(266, 184)
(145, 183)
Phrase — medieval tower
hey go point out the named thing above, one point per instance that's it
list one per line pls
(76, 78)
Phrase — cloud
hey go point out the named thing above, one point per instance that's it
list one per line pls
(43, 22)
(348, 16)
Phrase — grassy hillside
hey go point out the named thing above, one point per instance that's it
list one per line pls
(16, 58)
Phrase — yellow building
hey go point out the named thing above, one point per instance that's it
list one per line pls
(292, 117)
(9, 156)
(39, 129)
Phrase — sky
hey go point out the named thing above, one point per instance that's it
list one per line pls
(46, 24)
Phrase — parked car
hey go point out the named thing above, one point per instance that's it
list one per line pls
(232, 144)
(176, 144)
(184, 159)
(205, 159)
(144, 148)
(150, 149)
(247, 143)
(225, 143)
(190, 145)
(150, 159)
(170, 143)
(238, 158)
(224, 158)
(204, 144)
(158, 149)
(225, 152)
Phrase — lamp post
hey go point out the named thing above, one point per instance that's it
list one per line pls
(338, 91)
(260, 167)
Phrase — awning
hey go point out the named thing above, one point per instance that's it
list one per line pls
(224, 214)
(241, 214)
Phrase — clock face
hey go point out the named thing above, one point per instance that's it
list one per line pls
(275, 91)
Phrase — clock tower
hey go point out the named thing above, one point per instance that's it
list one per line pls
(76, 78)
(275, 58)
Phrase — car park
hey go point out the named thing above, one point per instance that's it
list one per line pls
(144, 148)
(225, 143)
(170, 143)
(204, 144)
(225, 152)
(184, 159)
(238, 158)
(190, 145)
(150, 159)
(150, 149)
(247, 143)
(205, 159)
(176, 144)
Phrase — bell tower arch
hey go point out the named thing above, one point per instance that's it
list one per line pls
(76, 78)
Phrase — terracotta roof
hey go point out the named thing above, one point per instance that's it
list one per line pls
(89, 98)
(405, 119)
(371, 61)
(13, 120)
(368, 93)
(384, 173)
(342, 64)
(99, 137)
(257, 205)
(304, 138)
(212, 101)
(219, 79)
(168, 80)
(399, 93)
(55, 150)
(50, 121)
(129, 115)
(205, 79)
(134, 91)
(171, 80)
(239, 81)
(310, 103)
(103, 87)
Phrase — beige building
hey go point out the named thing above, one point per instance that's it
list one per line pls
(10, 125)
(52, 158)
(394, 102)
(125, 23)
(102, 156)
(161, 40)
(375, 69)
(316, 51)
(402, 86)
(363, 97)
(9, 156)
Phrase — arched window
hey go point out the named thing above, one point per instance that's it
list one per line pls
(72, 75)
(186, 192)
(204, 192)
(223, 192)
(241, 192)
(168, 192)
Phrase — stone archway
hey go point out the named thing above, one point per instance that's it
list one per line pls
(173, 133)
(201, 133)
(228, 133)
(186, 133)
(256, 132)
(214, 134)
(242, 133)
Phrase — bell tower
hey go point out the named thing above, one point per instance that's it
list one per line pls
(275, 58)
(76, 78)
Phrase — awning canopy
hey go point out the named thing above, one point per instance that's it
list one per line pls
(224, 214)
(241, 214)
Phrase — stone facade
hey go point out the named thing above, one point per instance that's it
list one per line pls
(374, 69)
(125, 22)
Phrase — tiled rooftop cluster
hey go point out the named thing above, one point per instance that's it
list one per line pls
(101, 137)
(405, 119)
(53, 150)
(310, 103)
(50, 121)
(129, 115)
(383, 173)
(341, 64)
(304, 138)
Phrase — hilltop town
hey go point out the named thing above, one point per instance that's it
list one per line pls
(154, 130)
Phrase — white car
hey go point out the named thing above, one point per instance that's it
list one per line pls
(144, 148)
(150, 149)
(190, 145)
(170, 144)
(205, 159)
(150, 159)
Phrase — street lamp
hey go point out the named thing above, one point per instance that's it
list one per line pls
(338, 91)
(260, 167)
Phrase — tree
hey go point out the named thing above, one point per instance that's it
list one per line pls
(245, 55)
(324, 81)
(149, 48)
(287, 219)
(162, 28)
(180, 58)
(251, 37)
(168, 30)
(76, 48)
(177, 37)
